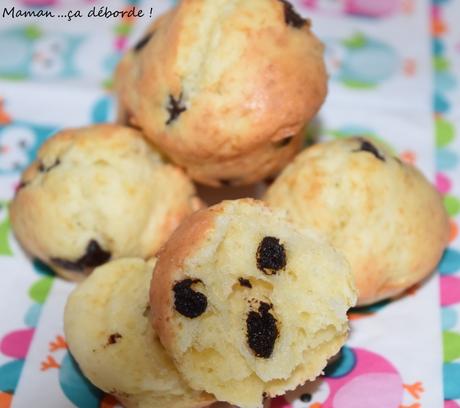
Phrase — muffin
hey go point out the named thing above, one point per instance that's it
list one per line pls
(248, 305)
(224, 87)
(95, 194)
(381, 213)
(109, 334)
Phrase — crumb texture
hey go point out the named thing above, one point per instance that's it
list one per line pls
(260, 332)
(111, 338)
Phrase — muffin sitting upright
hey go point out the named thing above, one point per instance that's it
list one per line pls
(248, 305)
(95, 194)
(383, 214)
(225, 87)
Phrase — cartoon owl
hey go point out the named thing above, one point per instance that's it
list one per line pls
(360, 8)
(29, 53)
(19, 142)
(360, 61)
(358, 378)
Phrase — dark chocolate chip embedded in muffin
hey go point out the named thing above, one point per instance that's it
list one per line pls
(245, 282)
(271, 256)
(113, 339)
(143, 42)
(175, 108)
(188, 302)
(368, 147)
(43, 169)
(291, 16)
(94, 256)
(262, 331)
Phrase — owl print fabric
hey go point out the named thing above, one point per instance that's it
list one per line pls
(386, 67)
(54, 49)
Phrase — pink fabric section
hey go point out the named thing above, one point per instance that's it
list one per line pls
(373, 8)
(450, 290)
(371, 391)
(443, 183)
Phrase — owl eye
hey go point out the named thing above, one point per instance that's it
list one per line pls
(305, 397)
(22, 143)
(57, 47)
(17, 166)
(48, 63)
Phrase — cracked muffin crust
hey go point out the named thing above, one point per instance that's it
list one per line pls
(95, 194)
(381, 213)
(225, 88)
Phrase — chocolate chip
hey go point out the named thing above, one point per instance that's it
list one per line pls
(143, 42)
(94, 256)
(271, 256)
(43, 169)
(245, 282)
(368, 147)
(262, 331)
(291, 17)
(175, 108)
(69, 265)
(284, 142)
(305, 397)
(113, 338)
(187, 302)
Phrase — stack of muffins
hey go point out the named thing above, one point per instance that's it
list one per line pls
(185, 305)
